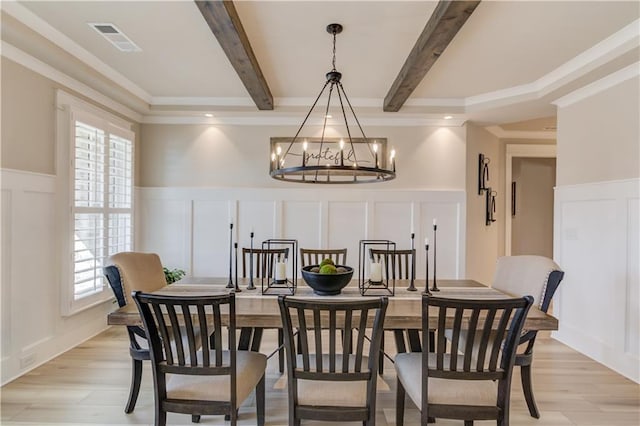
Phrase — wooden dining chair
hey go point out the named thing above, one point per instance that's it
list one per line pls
(396, 265)
(540, 277)
(126, 272)
(193, 374)
(316, 256)
(328, 377)
(446, 384)
(263, 262)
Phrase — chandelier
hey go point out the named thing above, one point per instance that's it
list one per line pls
(332, 160)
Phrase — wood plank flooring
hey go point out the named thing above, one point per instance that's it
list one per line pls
(89, 385)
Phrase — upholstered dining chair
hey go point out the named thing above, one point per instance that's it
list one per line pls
(214, 379)
(540, 277)
(396, 265)
(445, 384)
(126, 272)
(329, 377)
(261, 264)
(316, 256)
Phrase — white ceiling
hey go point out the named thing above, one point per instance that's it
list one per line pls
(509, 61)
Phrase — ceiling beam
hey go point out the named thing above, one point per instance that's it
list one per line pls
(224, 22)
(444, 23)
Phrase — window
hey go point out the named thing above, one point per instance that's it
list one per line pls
(100, 197)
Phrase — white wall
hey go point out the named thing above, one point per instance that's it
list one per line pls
(596, 220)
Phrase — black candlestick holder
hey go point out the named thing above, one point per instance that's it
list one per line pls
(435, 283)
(412, 286)
(235, 247)
(251, 286)
(230, 283)
(426, 262)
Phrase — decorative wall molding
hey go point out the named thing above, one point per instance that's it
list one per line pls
(189, 227)
(33, 330)
(596, 243)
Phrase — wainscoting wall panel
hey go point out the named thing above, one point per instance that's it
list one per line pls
(316, 217)
(33, 328)
(596, 244)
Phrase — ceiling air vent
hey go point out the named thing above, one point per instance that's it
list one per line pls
(115, 37)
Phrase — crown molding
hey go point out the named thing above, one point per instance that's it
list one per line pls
(501, 133)
(617, 44)
(608, 49)
(43, 28)
(13, 53)
(598, 86)
(255, 119)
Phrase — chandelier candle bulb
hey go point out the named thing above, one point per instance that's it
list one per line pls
(375, 274)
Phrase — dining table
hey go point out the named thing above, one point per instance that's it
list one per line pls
(257, 310)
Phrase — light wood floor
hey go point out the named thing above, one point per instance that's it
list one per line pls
(89, 385)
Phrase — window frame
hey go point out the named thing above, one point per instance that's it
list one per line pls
(70, 110)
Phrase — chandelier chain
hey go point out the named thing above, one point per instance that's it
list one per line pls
(333, 62)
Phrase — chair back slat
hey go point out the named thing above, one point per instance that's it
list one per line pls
(316, 256)
(332, 340)
(264, 261)
(468, 349)
(303, 339)
(397, 264)
(488, 325)
(347, 341)
(364, 314)
(189, 331)
(318, 343)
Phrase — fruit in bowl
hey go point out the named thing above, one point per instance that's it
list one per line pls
(328, 279)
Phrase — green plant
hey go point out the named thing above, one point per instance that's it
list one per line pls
(173, 275)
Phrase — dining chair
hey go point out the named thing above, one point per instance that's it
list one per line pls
(261, 264)
(126, 272)
(520, 275)
(262, 261)
(396, 265)
(316, 256)
(193, 374)
(446, 384)
(328, 377)
(540, 277)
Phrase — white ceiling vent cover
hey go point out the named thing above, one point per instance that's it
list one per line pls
(115, 37)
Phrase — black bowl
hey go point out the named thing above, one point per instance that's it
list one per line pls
(327, 284)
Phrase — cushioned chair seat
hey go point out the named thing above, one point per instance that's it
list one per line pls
(333, 393)
(249, 365)
(442, 391)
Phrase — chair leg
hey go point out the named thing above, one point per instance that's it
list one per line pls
(468, 423)
(400, 404)
(525, 374)
(160, 418)
(381, 359)
(260, 399)
(281, 350)
(195, 418)
(136, 378)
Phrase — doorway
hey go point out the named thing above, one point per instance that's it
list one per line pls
(530, 181)
(533, 180)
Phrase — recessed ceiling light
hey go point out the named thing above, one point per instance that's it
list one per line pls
(208, 115)
(448, 117)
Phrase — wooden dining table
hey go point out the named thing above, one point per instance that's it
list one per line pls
(256, 311)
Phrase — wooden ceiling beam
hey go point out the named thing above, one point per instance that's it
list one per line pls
(443, 25)
(224, 22)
